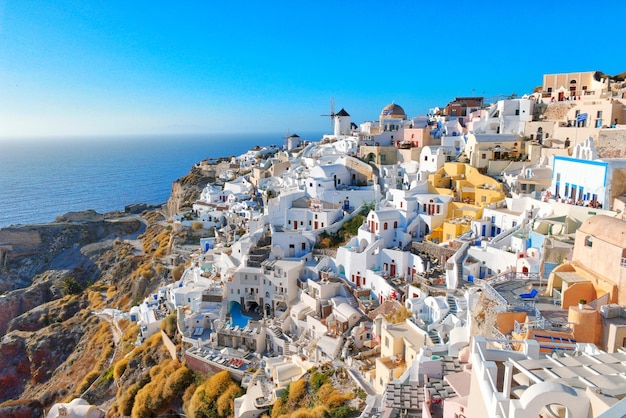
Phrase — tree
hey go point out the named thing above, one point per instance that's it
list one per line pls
(71, 286)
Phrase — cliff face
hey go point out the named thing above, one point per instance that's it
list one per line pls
(55, 277)
(30, 250)
(52, 277)
(186, 190)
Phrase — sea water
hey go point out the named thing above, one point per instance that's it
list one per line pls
(43, 178)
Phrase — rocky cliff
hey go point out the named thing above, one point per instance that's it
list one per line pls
(53, 278)
(186, 190)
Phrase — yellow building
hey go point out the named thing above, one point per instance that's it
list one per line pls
(472, 191)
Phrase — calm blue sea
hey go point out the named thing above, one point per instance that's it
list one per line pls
(41, 179)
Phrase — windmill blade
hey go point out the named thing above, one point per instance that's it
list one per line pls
(332, 113)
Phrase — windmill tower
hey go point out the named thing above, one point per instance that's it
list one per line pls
(342, 123)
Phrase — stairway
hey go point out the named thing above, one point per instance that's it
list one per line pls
(434, 336)
(452, 304)
(277, 331)
(261, 251)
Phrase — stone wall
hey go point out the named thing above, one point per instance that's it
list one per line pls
(20, 238)
(611, 143)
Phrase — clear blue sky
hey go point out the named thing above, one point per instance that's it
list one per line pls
(135, 67)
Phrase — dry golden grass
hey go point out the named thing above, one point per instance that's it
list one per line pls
(398, 316)
(297, 392)
(100, 347)
(178, 271)
(96, 301)
(303, 402)
(215, 394)
(119, 368)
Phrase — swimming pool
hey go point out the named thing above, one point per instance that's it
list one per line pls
(236, 317)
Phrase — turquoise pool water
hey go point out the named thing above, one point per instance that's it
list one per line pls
(236, 317)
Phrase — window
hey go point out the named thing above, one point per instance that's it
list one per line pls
(303, 246)
(386, 341)
(383, 157)
(483, 199)
(516, 112)
(589, 241)
(385, 226)
(599, 114)
(289, 221)
(483, 156)
(395, 224)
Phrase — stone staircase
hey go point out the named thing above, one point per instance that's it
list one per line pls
(452, 303)
(434, 336)
(258, 256)
(260, 252)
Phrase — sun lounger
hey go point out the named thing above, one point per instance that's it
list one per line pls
(531, 295)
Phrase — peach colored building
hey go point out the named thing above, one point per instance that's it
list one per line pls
(600, 250)
(400, 345)
(596, 273)
(565, 85)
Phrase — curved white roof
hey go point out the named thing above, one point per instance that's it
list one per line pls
(346, 311)
(329, 170)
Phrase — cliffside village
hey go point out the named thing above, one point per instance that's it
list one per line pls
(497, 225)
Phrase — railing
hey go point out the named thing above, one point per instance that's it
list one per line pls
(526, 326)
(493, 294)
(513, 275)
(497, 334)
(571, 93)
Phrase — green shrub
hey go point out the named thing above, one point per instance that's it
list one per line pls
(71, 286)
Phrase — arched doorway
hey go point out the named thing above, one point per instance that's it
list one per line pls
(572, 88)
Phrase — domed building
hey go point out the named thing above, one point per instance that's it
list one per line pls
(392, 118)
(392, 111)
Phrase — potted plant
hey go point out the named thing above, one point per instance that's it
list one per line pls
(582, 303)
